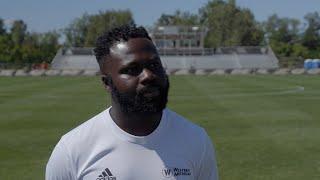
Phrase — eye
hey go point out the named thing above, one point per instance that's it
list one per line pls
(155, 66)
(133, 71)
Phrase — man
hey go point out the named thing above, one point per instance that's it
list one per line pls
(137, 138)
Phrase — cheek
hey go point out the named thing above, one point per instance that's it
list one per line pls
(125, 83)
(125, 77)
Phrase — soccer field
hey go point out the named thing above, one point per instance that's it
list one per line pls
(263, 127)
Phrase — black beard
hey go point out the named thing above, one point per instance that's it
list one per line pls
(137, 103)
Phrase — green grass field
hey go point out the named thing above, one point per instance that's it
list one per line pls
(263, 127)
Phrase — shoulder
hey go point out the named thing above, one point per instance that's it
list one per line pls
(195, 142)
(84, 137)
(189, 133)
(87, 128)
(77, 146)
(183, 125)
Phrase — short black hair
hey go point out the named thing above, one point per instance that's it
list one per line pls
(120, 33)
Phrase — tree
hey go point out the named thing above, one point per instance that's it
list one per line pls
(6, 46)
(19, 46)
(214, 16)
(283, 36)
(5, 43)
(18, 32)
(84, 31)
(77, 30)
(229, 25)
(39, 47)
(49, 44)
(105, 21)
(2, 28)
(248, 32)
(30, 49)
(282, 29)
(311, 37)
(178, 18)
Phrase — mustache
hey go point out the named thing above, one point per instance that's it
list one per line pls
(149, 89)
(155, 86)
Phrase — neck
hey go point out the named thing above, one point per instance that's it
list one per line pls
(138, 124)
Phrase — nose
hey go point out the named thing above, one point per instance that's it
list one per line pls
(147, 76)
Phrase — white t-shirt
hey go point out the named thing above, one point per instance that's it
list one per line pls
(99, 150)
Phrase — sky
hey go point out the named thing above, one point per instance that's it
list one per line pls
(45, 15)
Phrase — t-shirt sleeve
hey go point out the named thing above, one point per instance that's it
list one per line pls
(59, 166)
(208, 167)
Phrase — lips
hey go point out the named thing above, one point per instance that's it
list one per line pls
(151, 94)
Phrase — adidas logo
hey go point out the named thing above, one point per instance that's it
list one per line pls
(106, 175)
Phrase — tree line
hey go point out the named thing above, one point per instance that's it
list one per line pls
(227, 25)
(18, 46)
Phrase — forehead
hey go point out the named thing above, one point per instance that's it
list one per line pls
(124, 52)
(133, 46)
(134, 49)
(140, 44)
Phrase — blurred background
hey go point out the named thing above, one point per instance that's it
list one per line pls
(247, 71)
(32, 32)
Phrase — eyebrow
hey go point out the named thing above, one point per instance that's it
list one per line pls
(146, 49)
(132, 62)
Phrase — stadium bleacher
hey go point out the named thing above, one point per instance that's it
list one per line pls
(220, 61)
(68, 72)
(173, 59)
(21, 72)
(7, 72)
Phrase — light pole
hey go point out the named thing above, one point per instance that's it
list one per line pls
(161, 28)
(194, 33)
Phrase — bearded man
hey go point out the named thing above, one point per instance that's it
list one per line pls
(137, 137)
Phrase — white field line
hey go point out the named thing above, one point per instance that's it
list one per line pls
(296, 89)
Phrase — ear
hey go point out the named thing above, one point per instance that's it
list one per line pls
(106, 80)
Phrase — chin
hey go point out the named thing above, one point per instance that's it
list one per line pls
(137, 103)
(145, 107)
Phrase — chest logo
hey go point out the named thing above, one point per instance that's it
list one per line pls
(106, 175)
(174, 172)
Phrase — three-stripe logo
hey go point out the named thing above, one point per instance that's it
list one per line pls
(106, 175)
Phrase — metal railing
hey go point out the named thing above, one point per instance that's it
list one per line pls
(211, 51)
(188, 51)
